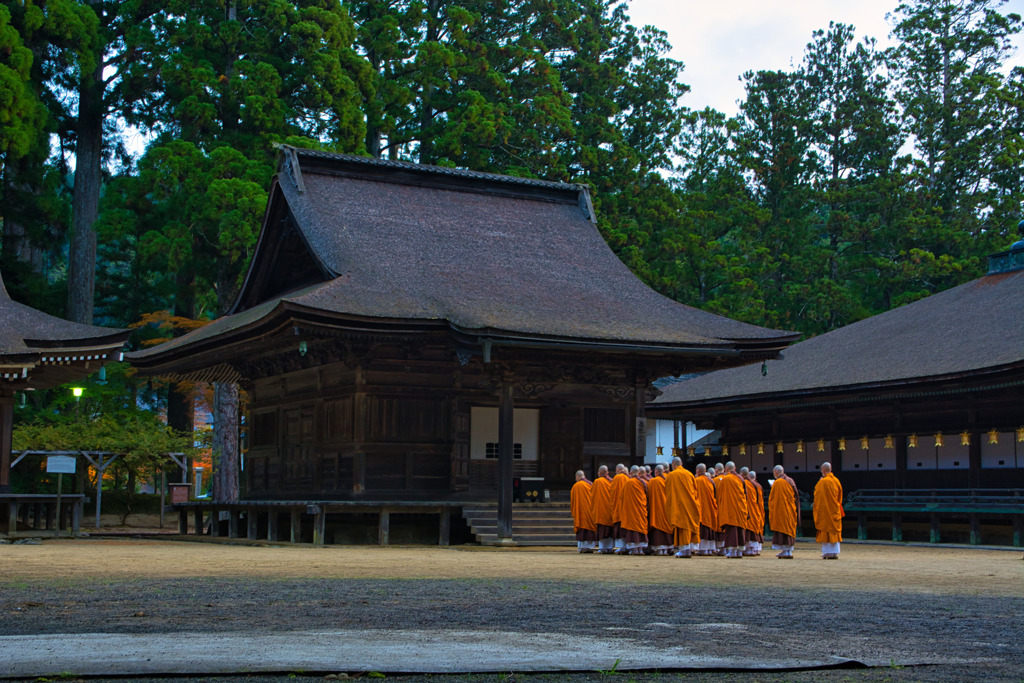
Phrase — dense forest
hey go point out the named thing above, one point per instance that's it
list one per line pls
(136, 144)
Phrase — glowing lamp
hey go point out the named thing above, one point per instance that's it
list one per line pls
(821, 445)
(938, 439)
(965, 438)
(77, 392)
(658, 449)
(800, 446)
(743, 449)
(912, 441)
(864, 443)
(993, 437)
(888, 441)
(760, 449)
(725, 451)
(842, 443)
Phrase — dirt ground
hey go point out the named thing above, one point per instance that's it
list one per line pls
(930, 613)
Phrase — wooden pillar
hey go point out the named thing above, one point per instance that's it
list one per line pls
(252, 523)
(900, 442)
(12, 518)
(506, 407)
(974, 457)
(199, 522)
(182, 521)
(272, 531)
(897, 527)
(445, 524)
(6, 425)
(319, 525)
(935, 536)
(76, 516)
(640, 445)
(862, 527)
(296, 526)
(975, 530)
(384, 527)
(233, 524)
(214, 522)
(1018, 530)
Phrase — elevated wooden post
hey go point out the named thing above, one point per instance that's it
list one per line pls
(975, 530)
(897, 527)
(272, 533)
(252, 523)
(862, 527)
(935, 536)
(296, 526)
(384, 527)
(6, 425)
(444, 533)
(182, 521)
(505, 460)
(199, 522)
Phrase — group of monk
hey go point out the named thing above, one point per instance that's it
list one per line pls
(669, 510)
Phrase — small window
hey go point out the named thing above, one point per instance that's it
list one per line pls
(491, 450)
(956, 463)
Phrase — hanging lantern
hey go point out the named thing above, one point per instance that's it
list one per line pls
(965, 438)
(800, 446)
(675, 451)
(912, 441)
(691, 451)
(660, 451)
(993, 437)
(1020, 435)
(725, 451)
(821, 445)
(779, 448)
(864, 443)
(842, 443)
(743, 449)
(760, 449)
(888, 441)
(938, 439)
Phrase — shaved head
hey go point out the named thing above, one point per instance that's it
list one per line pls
(580, 475)
(701, 468)
(744, 470)
(659, 469)
(634, 469)
(729, 466)
(778, 471)
(602, 470)
(752, 475)
(677, 462)
(826, 467)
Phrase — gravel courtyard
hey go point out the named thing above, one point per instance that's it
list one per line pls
(912, 613)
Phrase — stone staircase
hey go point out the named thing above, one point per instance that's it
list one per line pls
(533, 524)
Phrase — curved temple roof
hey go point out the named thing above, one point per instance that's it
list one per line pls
(975, 328)
(485, 255)
(38, 350)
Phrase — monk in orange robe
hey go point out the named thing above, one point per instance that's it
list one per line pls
(755, 498)
(783, 513)
(708, 511)
(683, 508)
(603, 506)
(618, 483)
(581, 504)
(828, 513)
(634, 513)
(659, 533)
(733, 512)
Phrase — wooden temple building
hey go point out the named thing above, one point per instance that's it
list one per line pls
(415, 333)
(40, 351)
(919, 408)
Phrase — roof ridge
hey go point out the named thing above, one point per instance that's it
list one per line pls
(428, 169)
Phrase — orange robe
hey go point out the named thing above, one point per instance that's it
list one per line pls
(657, 503)
(618, 482)
(602, 502)
(783, 507)
(581, 504)
(634, 505)
(732, 501)
(683, 505)
(708, 504)
(755, 503)
(828, 509)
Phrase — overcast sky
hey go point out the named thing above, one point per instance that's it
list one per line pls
(718, 40)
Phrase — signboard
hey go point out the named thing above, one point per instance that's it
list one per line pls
(61, 464)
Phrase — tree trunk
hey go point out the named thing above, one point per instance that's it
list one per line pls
(225, 442)
(86, 201)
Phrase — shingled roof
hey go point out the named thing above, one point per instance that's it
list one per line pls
(976, 329)
(38, 350)
(482, 254)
